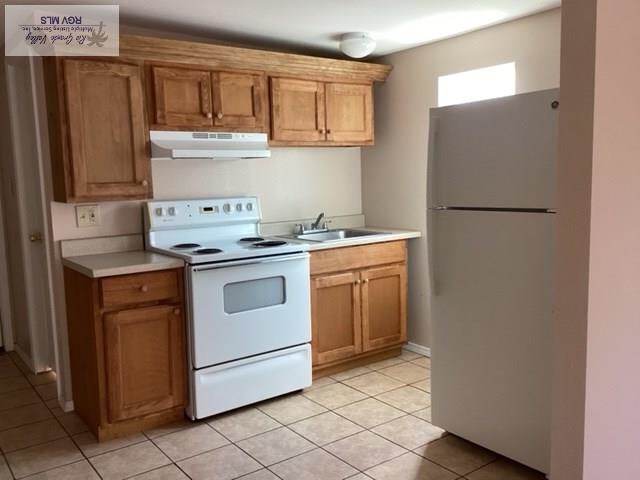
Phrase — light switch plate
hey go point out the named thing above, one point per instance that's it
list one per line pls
(87, 216)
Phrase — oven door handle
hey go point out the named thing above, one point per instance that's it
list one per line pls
(251, 261)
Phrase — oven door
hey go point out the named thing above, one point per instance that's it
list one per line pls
(244, 308)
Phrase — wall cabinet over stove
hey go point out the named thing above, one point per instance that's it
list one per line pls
(358, 304)
(186, 98)
(127, 350)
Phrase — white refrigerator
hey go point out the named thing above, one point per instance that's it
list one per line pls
(492, 181)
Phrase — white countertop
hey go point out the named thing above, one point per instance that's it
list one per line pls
(121, 263)
(386, 235)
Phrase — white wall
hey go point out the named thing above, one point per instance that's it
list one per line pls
(294, 183)
(394, 171)
(596, 385)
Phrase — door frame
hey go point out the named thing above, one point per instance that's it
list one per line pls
(43, 333)
(5, 303)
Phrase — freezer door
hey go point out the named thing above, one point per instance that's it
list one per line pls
(497, 153)
(491, 314)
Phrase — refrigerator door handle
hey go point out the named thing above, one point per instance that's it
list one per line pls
(432, 154)
(433, 287)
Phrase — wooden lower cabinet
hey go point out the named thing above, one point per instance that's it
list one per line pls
(144, 360)
(128, 358)
(358, 305)
(337, 332)
(384, 316)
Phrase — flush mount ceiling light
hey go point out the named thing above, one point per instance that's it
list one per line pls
(357, 44)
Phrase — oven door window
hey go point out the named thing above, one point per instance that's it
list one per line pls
(254, 294)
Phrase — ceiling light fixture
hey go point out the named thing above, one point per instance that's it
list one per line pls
(357, 44)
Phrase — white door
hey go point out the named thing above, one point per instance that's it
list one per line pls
(25, 212)
(498, 153)
(492, 318)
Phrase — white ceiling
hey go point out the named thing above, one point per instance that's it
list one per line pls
(315, 26)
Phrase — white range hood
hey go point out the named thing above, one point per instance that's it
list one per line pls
(211, 145)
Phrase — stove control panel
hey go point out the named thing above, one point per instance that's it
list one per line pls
(215, 211)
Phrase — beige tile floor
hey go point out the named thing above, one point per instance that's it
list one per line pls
(368, 423)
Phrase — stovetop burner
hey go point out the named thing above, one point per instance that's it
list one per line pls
(205, 251)
(251, 239)
(182, 246)
(269, 243)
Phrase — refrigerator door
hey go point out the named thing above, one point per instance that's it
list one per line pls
(497, 153)
(491, 310)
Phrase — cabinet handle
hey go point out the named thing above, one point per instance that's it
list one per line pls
(176, 311)
(144, 288)
(357, 282)
(209, 115)
(220, 115)
(328, 131)
(366, 280)
(144, 183)
(321, 130)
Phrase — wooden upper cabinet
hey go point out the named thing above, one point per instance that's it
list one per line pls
(349, 113)
(384, 298)
(182, 97)
(336, 324)
(189, 99)
(297, 110)
(240, 101)
(309, 112)
(98, 130)
(145, 360)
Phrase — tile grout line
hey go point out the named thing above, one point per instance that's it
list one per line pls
(281, 425)
(43, 443)
(244, 451)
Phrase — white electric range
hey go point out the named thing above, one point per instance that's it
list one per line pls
(248, 305)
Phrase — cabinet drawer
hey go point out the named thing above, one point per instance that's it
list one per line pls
(363, 256)
(140, 288)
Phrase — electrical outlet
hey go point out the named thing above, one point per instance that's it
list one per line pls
(87, 216)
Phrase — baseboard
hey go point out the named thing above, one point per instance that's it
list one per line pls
(67, 406)
(415, 348)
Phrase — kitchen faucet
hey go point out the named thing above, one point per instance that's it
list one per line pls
(316, 225)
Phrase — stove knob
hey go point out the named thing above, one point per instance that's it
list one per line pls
(159, 212)
(227, 208)
(238, 207)
(173, 211)
(249, 207)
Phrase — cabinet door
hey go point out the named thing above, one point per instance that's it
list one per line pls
(297, 110)
(107, 130)
(182, 97)
(145, 361)
(349, 113)
(384, 298)
(335, 317)
(239, 101)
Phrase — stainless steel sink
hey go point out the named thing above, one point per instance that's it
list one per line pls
(333, 235)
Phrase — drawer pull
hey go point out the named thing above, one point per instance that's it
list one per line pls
(176, 311)
(144, 288)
